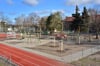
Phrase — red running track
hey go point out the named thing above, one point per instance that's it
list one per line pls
(24, 58)
(3, 36)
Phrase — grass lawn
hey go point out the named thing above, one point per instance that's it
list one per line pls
(1, 64)
(92, 60)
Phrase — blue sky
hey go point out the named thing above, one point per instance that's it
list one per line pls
(14, 8)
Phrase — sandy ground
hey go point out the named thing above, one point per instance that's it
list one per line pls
(92, 60)
(48, 46)
(57, 50)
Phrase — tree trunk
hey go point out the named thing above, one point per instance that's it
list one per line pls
(97, 36)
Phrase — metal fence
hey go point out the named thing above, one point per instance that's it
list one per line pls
(7, 61)
(81, 54)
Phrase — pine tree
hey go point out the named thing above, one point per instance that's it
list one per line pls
(76, 24)
(85, 20)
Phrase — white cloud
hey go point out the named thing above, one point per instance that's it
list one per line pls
(49, 11)
(42, 12)
(61, 10)
(31, 2)
(97, 1)
(78, 2)
(10, 2)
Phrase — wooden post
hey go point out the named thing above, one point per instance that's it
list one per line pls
(54, 42)
(78, 39)
(62, 46)
(79, 35)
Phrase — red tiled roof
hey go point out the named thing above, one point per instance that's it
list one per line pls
(69, 19)
(98, 16)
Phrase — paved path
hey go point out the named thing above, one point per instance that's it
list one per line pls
(24, 58)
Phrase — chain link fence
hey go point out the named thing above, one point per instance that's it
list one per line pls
(6, 61)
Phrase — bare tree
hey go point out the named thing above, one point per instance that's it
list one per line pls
(4, 20)
(34, 18)
(19, 20)
(42, 23)
(94, 21)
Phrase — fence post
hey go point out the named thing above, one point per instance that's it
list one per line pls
(62, 46)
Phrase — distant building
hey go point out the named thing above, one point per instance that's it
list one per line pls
(67, 23)
(68, 20)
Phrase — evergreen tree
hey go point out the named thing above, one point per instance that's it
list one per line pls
(80, 23)
(48, 22)
(76, 24)
(85, 20)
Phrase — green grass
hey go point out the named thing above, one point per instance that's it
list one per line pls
(1, 64)
(85, 61)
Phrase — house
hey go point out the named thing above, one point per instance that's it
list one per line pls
(67, 22)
